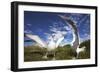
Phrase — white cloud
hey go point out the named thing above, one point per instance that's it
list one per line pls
(55, 23)
(67, 28)
(56, 34)
(54, 29)
(64, 32)
(27, 31)
(29, 24)
(85, 37)
(64, 42)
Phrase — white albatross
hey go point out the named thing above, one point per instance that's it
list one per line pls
(75, 42)
(50, 46)
(78, 50)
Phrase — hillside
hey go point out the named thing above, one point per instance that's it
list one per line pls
(35, 53)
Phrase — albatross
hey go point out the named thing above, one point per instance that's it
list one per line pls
(50, 46)
(75, 42)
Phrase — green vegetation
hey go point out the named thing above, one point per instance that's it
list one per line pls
(35, 53)
(65, 53)
(85, 54)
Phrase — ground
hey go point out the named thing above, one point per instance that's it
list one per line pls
(35, 53)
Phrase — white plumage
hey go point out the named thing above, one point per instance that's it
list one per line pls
(78, 50)
(50, 46)
(75, 41)
(36, 39)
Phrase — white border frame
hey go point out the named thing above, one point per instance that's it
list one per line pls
(22, 64)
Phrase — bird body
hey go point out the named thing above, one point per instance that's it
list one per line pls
(50, 46)
(72, 24)
(78, 50)
(75, 41)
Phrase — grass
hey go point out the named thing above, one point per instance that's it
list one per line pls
(35, 53)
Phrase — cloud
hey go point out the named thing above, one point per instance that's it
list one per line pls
(86, 36)
(29, 24)
(64, 42)
(53, 29)
(27, 31)
(56, 33)
(67, 28)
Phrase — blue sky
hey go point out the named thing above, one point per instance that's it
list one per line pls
(45, 24)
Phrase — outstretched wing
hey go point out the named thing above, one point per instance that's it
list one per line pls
(72, 23)
(59, 41)
(36, 39)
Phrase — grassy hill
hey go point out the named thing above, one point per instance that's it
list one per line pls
(35, 53)
(86, 53)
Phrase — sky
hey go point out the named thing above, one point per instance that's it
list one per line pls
(49, 26)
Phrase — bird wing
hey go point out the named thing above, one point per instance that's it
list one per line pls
(59, 41)
(36, 39)
(72, 23)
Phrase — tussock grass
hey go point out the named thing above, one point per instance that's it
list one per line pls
(35, 53)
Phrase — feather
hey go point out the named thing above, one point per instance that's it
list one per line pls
(37, 39)
(59, 41)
